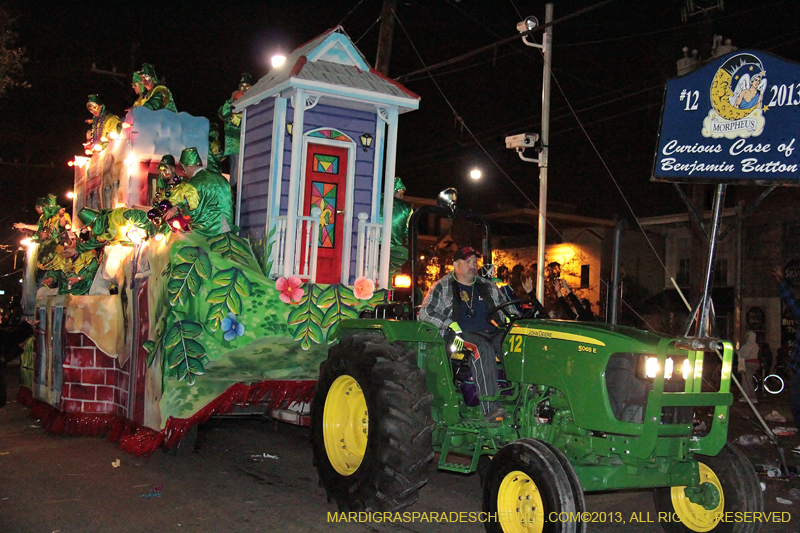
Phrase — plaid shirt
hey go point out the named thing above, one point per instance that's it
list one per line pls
(794, 307)
(437, 307)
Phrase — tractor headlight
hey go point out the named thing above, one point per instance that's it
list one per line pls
(649, 367)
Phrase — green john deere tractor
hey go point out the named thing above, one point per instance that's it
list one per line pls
(593, 407)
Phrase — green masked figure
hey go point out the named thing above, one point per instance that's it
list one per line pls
(231, 120)
(138, 88)
(72, 272)
(205, 197)
(157, 96)
(401, 213)
(215, 150)
(103, 125)
(53, 220)
(107, 226)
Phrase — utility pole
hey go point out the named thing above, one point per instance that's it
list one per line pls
(528, 140)
(547, 42)
(385, 37)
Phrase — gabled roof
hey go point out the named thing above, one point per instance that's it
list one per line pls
(331, 64)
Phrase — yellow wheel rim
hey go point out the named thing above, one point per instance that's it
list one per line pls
(693, 515)
(345, 425)
(519, 504)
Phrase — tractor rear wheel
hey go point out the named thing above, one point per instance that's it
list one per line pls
(729, 484)
(371, 424)
(527, 490)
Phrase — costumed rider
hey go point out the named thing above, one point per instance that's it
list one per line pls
(110, 226)
(401, 214)
(205, 198)
(138, 88)
(72, 272)
(215, 150)
(156, 96)
(232, 126)
(458, 305)
(53, 219)
(105, 126)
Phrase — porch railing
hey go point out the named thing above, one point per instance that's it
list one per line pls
(306, 244)
(368, 248)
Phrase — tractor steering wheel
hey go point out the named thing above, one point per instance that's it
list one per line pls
(524, 313)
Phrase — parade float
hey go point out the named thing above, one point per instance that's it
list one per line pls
(203, 302)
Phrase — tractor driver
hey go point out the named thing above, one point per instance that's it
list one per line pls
(458, 305)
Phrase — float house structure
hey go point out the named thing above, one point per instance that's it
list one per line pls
(191, 325)
(317, 132)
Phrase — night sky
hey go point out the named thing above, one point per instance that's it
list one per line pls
(610, 66)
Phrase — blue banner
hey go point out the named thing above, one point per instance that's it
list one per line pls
(734, 120)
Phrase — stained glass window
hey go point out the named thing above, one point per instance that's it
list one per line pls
(323, 195)
(327, 164)
(330, 134)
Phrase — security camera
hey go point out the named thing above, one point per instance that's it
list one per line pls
(522, 141)
(527, 25)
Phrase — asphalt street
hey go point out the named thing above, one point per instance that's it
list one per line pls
(245, 475)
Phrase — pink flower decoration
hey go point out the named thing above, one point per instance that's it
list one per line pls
(290, 290)
(363, 288)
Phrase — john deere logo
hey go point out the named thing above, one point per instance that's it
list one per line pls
(737, 99)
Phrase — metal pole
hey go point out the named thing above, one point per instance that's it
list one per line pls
(613, 289)
(547, 42)
(702, 326)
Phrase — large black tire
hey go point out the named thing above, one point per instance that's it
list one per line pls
(371, 397)
(527, 470)
(733, 475)
(574, 483)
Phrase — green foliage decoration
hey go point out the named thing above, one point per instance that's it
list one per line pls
(226, 298)
(339, 303)
(192, 265)
(232, 247)
(307, 316)
(184, 355)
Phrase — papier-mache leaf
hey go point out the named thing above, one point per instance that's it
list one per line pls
(227, 296)
(328, 297)
(347, 296)
(336, 313)
(216, 313)
(232, 247)
(188, 254)
(186, 277)
(308, 332)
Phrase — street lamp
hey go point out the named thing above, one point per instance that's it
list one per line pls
(475, 174)
(278, 60)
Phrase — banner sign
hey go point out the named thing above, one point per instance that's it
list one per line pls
(734, 120)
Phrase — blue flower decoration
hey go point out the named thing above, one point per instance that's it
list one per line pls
(232, 327)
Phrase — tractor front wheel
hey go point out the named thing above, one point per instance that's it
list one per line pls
(371, 424)
(728, 484)
(527, 490)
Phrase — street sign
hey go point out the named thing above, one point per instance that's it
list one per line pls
(732, 121)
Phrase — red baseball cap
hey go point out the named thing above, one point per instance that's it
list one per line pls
(465, 253)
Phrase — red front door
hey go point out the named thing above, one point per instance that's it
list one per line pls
(325, 187)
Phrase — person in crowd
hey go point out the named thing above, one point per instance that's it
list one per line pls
(748, 365)
(459, 306)
(794, 352)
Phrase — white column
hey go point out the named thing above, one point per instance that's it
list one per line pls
(294, 180)
(388, 188)
(377, 166)
(240, 165)
(275, 171)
